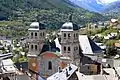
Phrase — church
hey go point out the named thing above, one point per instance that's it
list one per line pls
(45, 59)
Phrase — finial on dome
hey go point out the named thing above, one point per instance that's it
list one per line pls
(70, 17)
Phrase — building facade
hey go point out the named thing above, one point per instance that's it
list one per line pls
(46, 59)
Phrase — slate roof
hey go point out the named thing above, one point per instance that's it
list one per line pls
(94, 46)
(50, 46)
(95, 77)
(37, 26)
(7, 66)
(5, 56)
(69, 26)
(62, 75)
(88, 46)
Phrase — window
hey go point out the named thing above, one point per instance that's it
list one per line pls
(49, 65)
(40, 34)
(43, 34)
(68, 48)
(64, 35)
(35, 34)
(31, 35)
(74, 35)
(31, 46)
(69, 35)
(35, 47)
(64, 48)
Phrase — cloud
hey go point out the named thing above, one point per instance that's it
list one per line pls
(105, 1)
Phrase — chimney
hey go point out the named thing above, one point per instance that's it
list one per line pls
(67, 73)
(70, 68)
(59, 69)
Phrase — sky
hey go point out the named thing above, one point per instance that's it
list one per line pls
(107, 1)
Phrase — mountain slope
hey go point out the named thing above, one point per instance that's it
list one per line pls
(8, 6)
(113, 9)
(51, 12)
(92, 5)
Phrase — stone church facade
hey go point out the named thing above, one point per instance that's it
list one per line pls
(45, 59)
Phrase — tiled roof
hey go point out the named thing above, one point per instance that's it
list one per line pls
(88, 46)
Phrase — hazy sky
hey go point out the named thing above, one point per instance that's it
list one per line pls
(107, 1)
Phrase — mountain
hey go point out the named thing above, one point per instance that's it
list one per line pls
(51, 12)
(91, 5)
(8, 6)
(95, 5)
(113, 9)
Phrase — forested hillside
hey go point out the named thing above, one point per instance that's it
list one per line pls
(51, 12)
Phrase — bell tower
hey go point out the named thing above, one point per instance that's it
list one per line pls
(70, 41)
(36, 40)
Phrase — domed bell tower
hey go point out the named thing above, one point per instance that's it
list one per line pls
(36, 40)
(70, 41)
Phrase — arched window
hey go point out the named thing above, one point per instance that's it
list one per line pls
(43, 34)
(69, 48)
(64, 35)
(31, 35)
(69, 35)
(35, 47)
(40, 34)
(31, 47)
(35, 34)
(49, 65)
(74, 35)
(64, 48)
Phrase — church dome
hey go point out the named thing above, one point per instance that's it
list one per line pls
(34, 24)
(69, 26)
(37, 25)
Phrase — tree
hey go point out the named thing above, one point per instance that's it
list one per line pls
(111, 51)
